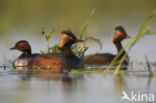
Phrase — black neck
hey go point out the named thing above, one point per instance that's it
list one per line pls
(119, 47)
(66, 50)
(26, 53)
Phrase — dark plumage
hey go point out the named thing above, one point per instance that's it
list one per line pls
(26, 55)
(60, 61)
(106, 58)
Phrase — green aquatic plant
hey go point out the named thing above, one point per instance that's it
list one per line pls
(115, 60)
(131, 66)
(12, 64)
(55, 49)
(86, 24)
(144, 30)
(47, 37)
(141, 64)
(148, 66)
(79, 48)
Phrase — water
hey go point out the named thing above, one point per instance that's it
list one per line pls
(25, 19)
(17, 87)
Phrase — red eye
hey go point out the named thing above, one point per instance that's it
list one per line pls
(19, 45)
(122, 34)
(71, 38)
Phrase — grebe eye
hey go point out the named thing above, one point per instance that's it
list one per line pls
(71, 38)
(20, 44)
(122, 34)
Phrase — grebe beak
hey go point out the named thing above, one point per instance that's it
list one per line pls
(128, 37)
(12, 48)
(78, 40)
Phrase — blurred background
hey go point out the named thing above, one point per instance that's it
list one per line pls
(25, 19)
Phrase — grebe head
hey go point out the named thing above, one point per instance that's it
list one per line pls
(120, 34)
(67, 39)
(22, 46)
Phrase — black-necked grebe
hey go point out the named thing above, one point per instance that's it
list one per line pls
(106, 58)
(26, 55)
(60, 61)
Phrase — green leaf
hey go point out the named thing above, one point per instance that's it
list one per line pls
(142, 32)
(85, 26)
(51, 33)
(42, 52)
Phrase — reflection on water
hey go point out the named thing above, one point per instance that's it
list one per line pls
(17, 87)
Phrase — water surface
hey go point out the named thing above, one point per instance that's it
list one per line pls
(19, 87)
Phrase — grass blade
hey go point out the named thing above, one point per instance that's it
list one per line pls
(142, 32)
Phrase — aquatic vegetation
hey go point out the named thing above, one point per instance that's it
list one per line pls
(144, 30)
(47, 37)
(80, 48)
(12, 64)
(148, 66)
(141, 64)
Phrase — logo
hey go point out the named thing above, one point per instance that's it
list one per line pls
(137, 96)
